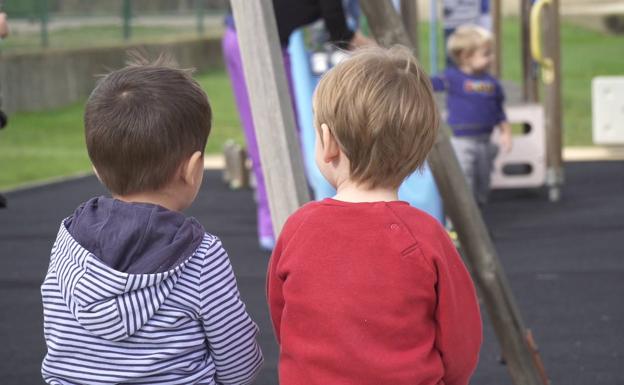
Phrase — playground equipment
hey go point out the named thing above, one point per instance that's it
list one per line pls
(608, 110)
(525, 165)
(536, 159)
(287, 190)
(419, 189)
(516, 341)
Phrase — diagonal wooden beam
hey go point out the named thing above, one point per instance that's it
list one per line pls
(461, 207)
(409, 14)
(271, 108)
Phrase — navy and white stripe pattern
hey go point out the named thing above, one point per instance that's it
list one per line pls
(183, 326)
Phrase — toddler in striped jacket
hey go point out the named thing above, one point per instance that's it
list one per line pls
(137, 292)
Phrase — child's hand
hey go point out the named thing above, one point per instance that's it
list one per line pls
(506, 140)
(359, 40)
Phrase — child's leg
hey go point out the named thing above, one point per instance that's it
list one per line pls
(466, 150)
(485, 164)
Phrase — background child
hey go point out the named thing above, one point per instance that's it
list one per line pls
(136, 291)
(362, 288)
(475, 106)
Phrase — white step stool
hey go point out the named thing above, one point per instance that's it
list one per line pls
(525, 165)
(608, 109)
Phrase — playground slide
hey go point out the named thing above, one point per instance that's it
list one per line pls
(419, 189)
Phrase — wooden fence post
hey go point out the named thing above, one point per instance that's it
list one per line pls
(271, 108)
(461, 207)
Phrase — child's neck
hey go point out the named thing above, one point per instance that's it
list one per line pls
(349, 191)
(161, 198)
(468, 70)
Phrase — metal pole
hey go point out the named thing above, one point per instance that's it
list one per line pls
(498, 40)
(461, 207)
(127, 16)
(199, 11)
(44, 17)
(552, 103)
(433, 37)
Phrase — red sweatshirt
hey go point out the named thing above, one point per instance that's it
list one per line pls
(371, 293)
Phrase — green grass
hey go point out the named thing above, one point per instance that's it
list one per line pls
(226, 124)
(41, 145)
(47, 144)
(584, 55)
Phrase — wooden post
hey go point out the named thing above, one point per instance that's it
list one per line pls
(409, 13)
(473, 235)
(529, 80)
(44, 17)
(495, 12)
(271, 108)
(552, 103)
(127, 19)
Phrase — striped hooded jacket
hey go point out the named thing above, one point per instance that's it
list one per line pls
(182, 322)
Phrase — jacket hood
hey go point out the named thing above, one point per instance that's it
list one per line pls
(117, 262)
(134, 238)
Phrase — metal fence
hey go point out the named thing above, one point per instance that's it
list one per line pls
(37, 24)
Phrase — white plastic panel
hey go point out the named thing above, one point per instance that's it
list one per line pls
(529, 150)
(608, 109)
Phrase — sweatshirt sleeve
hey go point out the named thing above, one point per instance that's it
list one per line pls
(275, 295)
(459, 331)
(502, 117)
(439, 82)
(230, 331)
(275, 277)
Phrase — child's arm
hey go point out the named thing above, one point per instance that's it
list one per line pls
(230, 332)
(506, 139)
(459, 333)
(439, 83)
(275, 295)
(275, 278)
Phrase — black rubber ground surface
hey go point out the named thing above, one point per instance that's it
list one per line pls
(564, 261)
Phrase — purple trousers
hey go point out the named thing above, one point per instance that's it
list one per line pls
(234, 65)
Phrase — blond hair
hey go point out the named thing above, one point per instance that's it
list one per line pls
(379, 105)
(466, 40)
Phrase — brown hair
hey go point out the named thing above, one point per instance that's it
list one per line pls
(465, 40)
(142, 122)
(380, 107)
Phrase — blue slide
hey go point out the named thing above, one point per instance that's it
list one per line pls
(419, 189)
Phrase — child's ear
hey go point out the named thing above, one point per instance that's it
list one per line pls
(96, 173)
(331, 149)
(192, 172)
